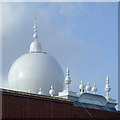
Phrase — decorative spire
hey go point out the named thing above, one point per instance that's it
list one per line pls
(88, 87)
(67, 79)
(51, 91)
(35, 46)
(81, 87)
(107, 87)
(35, 30)
(94, 89)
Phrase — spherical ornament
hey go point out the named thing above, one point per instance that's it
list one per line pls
(35, 30)
(68, 79)
(88, 87)
(35, 36)
(81, 86)
(35, 26)
(36, 70)
(40, 92)
(107, 88)
(94, 89)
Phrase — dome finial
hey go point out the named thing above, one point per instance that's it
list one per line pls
(67, 79)
(51, 91)
(35, 46)
(35, 30)
(88, 87)
(107, 87)
(81, 87)
(40, 91)
(94, 89)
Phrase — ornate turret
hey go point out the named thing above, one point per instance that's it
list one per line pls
(67, 79)
(107, 87)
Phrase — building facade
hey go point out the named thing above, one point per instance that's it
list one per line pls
(27, 105)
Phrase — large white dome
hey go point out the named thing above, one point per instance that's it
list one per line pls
(34, 70)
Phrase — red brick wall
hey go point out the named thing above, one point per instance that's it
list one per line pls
(37, 107)
(20, 107)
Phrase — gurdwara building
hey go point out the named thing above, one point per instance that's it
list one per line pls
(36, 82)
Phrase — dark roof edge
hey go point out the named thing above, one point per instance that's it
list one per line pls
(35, 96)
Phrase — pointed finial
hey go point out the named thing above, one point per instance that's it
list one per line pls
(107, 87)
(88, 87)
(35, 46)
(51, 91)
(35, 30)
(67, 79)
(94, 89)
(68, 72)
(81, 87)
(107, 79)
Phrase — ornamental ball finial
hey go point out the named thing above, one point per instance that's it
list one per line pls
(40, 91)
(35, 46)
(94, 89)
(35, 36)
(81, 87)
(51, 91)
(88, 87)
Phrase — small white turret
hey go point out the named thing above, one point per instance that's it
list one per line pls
(67, 79)
(51, 91)
(40, 91)
(107, 87)
(94, 89)
(81, 87)
(88, 87)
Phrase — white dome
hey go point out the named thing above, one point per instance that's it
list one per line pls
(36, 70)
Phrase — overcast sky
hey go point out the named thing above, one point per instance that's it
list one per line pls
(82, 36)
